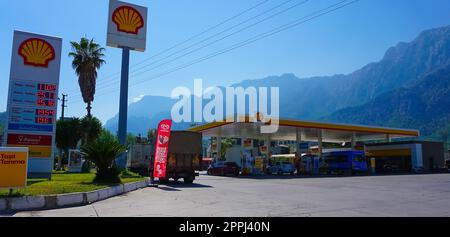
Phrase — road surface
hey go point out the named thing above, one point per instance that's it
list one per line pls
(403, 195)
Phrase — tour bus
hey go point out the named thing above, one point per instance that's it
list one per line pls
(346, 162)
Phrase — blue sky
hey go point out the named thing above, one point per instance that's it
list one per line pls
(340, 42)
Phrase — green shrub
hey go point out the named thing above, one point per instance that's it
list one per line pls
(102, 152)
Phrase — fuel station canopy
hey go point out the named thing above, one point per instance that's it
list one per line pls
(292, 130)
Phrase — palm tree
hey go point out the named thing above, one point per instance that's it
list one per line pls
(87, 59)
(102, 152)
(91, 127)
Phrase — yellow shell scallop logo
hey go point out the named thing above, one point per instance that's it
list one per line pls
(128, 20)
(37, 52)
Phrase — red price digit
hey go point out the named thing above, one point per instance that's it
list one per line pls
(46, 87)
(40, 102)
(40, 95)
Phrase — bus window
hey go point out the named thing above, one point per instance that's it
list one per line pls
(336, 159)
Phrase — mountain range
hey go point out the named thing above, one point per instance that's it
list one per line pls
(407, 88)
(425, 105)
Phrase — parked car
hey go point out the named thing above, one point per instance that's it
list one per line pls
(281, 168)
(224, 168)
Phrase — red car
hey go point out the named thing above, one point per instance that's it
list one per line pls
(224, 168)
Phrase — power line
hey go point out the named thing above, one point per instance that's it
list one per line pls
(230, 28)
(206, 31)
(112, 83)
(190, 38)
(284, 27)
(276, 30)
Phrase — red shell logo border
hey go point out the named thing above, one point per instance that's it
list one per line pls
(47, 62)
(117, 23)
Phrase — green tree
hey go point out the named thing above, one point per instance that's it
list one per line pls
(151, 135)
(102, 152)
(87, 59)
(226, 143)
(444, 136)
(68, 134)
(91, 128)
(131, 140)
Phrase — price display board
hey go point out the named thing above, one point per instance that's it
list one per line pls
(34, 106)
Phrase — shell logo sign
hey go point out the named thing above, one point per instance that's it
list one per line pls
(127, 26)
(128, 20)
(37, 52)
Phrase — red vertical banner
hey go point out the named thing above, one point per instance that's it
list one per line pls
(162, 148)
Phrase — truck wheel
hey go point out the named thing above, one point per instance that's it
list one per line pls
(164, 181)
(188, 180)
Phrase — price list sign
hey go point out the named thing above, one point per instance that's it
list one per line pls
(33, 97)
(33, 106)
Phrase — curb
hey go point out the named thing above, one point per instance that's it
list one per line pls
(3, 204)
(67, 200)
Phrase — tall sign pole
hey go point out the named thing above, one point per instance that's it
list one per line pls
(127, 29)
(123, 104)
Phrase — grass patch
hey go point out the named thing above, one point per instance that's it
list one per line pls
(63, 182)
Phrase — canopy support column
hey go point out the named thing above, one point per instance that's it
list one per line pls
(298, 140)
(353, 141)
(317, 160)
(267, 143)
(320, 140)
(219, 145)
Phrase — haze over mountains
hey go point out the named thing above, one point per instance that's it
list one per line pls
(425, 106)
(408, 88)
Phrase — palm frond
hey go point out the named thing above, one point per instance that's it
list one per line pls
(87, 57)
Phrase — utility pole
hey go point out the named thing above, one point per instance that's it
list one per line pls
(63, 105)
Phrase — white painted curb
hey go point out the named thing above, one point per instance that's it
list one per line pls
(70, 199)
(102, 194)
(130, 187)
(3, 204)
(141, 184)
(65, 200)
(116, 190)
(92, 197)
(26, 203)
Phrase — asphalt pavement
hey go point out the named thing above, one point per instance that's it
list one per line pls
(285, 196)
